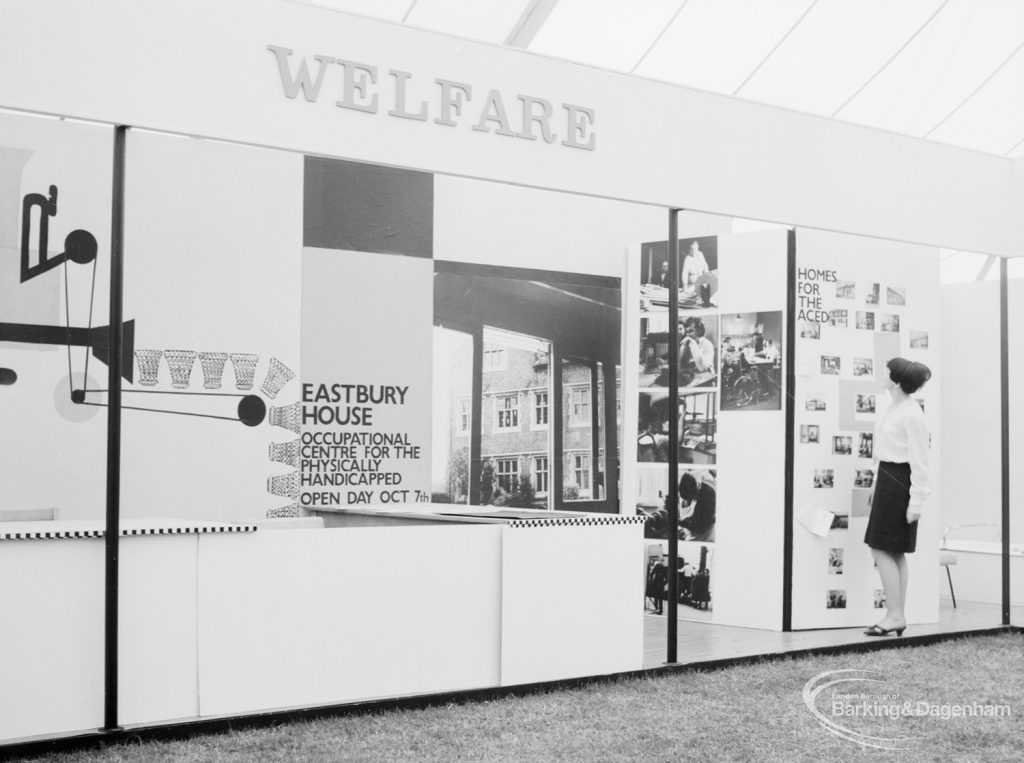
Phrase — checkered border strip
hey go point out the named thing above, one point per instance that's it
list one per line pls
(577, 521)
(62, 534)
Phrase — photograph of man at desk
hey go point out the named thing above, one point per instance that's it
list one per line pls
(752, 361)
(698, 355)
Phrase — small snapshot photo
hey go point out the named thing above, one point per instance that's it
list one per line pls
(866, 448)
(865, 320)
(895, 295)
(810, 433)
(835, 561)
(864, 478)
(863, 367)
(871, 295)
(919, 340)
(846, 290)
(841, 522)
(842, 444)
(824, 477)
(836, 599)
(839, 318)
(879, 598)
(815, 404)
(810, 330)
(865, 403)
(830, 364)
(889, 322)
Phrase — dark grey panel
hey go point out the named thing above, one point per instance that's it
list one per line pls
(367, 208)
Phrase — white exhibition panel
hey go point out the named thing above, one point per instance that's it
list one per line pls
(750, 462)
(648, 145)
(860, 262)
(750, 523)
(532, 228)
(213, 243)
(572, 602)
(50, 462)
(53, 668)
(312, 617)
(158, 665)
(51, 592)
(972, 414)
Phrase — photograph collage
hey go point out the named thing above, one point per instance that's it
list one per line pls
(728, 364)
(838, 410)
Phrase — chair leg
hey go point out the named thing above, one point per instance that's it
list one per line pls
(950, 579)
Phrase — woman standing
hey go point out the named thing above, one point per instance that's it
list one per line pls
(901, 486)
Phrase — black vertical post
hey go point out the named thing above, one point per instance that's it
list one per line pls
(672, 612)
(790, 398)
(556, 425)
(1004, 379)
(476, 413)
(611, 438)
(595, 433)
(114, 364)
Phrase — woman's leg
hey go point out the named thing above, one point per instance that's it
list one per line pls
(901, 565)
(893, 583)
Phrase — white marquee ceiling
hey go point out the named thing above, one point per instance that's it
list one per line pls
(951, 71)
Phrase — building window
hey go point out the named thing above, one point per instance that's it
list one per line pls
(507, 473)
(540, 410)
(579, 407)
(495, 358)
(464, 416)
(507, 407)
(581, 470)
(540, 474)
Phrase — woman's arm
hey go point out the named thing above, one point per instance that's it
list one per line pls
(917, 450)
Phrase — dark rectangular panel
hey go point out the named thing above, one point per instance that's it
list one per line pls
(367, 208)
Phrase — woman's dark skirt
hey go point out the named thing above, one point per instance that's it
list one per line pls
(887, 526)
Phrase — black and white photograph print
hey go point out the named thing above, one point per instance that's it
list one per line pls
(830, 365)
(918, 340)
(824, 478)
(810, 330)
(865, 403)
(698, 274)
(698, 350)
(846, 290)
(751, 361)
(889, 322)
(815, 404)
(839, 318)
(895, 295)
(519, 319)
(865, 320)
(836, 599)
(871, 296)
(864, 478)
(842, 444)
(835, 561)
(863, 367)
(879, 598)
(841, 522)
(698, 499)
(866, 447)
(698, 425)
(810, 433)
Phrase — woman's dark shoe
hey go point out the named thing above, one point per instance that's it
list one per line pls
(876, 630)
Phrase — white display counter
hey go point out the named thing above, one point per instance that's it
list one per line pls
(215, 621)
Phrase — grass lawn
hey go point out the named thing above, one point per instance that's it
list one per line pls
(753, 712)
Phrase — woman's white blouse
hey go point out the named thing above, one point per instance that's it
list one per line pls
(902, 438)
